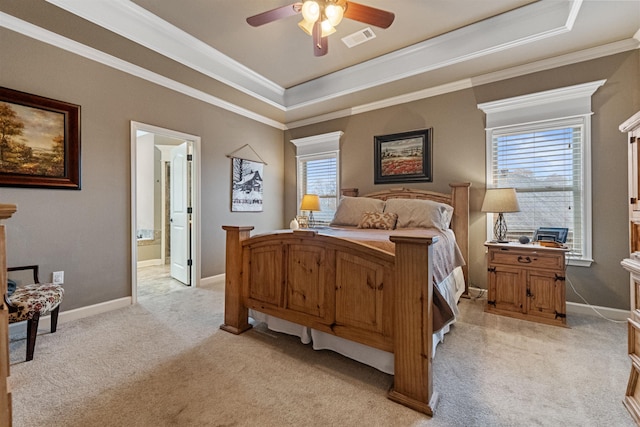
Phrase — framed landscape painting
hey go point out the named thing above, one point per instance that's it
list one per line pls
(403, 157)
(39, 141)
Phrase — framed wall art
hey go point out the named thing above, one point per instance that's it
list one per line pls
(39, 141)
(246, 191)
(403, 157)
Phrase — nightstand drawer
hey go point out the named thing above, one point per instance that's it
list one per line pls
(532, 259)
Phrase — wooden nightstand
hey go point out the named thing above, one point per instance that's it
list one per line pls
(527, 282)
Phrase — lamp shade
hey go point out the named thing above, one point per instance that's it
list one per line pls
(310, 202)
(500, 200)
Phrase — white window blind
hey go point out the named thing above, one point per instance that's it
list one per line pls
(318, 175)
(544, 163)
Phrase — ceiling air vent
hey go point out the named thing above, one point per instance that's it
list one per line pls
(359, 37)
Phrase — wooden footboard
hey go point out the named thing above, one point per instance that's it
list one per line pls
(343, 288)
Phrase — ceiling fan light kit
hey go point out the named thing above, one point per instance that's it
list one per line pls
(320, 17)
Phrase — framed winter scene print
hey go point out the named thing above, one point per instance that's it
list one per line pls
(246, 185)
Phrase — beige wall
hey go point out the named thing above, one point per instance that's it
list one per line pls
(87, 233)
(459, 155)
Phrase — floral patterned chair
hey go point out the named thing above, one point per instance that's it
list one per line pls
(29, 302)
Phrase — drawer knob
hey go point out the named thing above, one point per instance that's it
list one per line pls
(524, 259)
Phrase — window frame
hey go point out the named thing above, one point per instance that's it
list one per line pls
(301, 182)
(548, 109)
(317, 147)
(584, 123)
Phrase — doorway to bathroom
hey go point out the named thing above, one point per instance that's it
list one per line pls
(165, 175)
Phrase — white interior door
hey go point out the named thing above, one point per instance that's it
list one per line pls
(180, 234)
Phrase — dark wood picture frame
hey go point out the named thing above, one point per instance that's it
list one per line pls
(40, 145)
(403, 157)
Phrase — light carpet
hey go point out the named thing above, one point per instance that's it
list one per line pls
(165, 362)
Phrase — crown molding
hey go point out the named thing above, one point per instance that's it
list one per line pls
(509, 30)
(537, 99)
(562, 102)
(135, 23)
(27, 29)
(631, 123)
(515, 28)
(558, 61)
(388, 102)
(546, 64)
(317, 144)
(318, 139)
(56, 40)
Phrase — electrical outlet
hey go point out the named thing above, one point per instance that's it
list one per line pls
(58, 277)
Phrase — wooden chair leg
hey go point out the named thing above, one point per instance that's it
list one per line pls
(32, 333)
(54, 319)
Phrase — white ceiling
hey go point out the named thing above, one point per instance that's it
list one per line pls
(433, 46)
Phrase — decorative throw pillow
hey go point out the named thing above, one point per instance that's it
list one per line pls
(416, 213)
(350, 210)
(383, 221)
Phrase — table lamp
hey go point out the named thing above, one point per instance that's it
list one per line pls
(500, 200)
(311, 203)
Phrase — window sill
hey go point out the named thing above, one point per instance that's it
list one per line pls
(580, 262)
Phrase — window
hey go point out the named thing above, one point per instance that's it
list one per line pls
(540, 144)
(544, 164)
(318, 173)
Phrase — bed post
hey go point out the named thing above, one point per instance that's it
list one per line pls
(460, 225)
(236, 314)
(413, 324)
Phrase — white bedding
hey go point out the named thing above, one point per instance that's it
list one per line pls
(451, 289)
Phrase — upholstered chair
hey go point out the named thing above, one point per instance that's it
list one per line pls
(29, 302)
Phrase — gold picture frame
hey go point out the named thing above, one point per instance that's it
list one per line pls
(303, 221)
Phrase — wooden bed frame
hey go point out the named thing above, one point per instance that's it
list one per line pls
(350, 290)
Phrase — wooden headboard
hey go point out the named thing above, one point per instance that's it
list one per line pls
(458, 198)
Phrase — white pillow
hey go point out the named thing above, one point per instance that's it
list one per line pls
(416, 213)
(350, 210)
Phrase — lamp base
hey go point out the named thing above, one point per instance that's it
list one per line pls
(500, 229)
(499, 241)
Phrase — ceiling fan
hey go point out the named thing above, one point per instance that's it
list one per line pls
(320, 18)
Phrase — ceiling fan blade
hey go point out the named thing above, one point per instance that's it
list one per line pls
(369, 15)
(320, 44)
(274, 14)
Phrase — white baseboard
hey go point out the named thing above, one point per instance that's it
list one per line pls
(103, 307)
(149, 263)
(608, 312)
(69, 315)
(212, 280)
(577, 308)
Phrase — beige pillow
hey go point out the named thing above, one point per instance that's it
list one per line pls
(416, 213)
(350, 210)
(383, 221)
